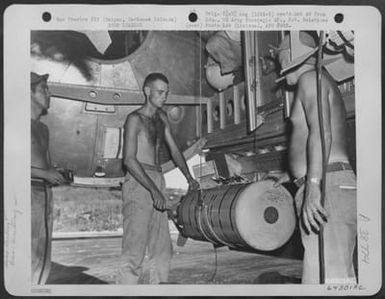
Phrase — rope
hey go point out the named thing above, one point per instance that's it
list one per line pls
(211, 279)
(200, 101)
(211, 229)
(46, 226)
(323, 148)
(201, 228)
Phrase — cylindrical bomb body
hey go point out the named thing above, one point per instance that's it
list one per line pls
(246, 216)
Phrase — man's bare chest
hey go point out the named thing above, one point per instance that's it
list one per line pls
(152, 128)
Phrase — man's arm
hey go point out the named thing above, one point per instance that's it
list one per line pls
(313, 213)
(50, 175)
(130, 146)
(176, 154)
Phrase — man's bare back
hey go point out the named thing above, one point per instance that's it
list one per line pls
(335, 110)
(322, 206)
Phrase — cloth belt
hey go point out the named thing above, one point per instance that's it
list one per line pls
(151, 167)
(338, 166)
(38, 183)
(333, 167)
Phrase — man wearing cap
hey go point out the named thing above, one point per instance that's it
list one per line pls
(145, 221)
(338, 215)
(43, 176)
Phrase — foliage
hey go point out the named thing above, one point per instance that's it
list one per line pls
(90, 209)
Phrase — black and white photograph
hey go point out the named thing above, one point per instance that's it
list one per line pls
(200, 155)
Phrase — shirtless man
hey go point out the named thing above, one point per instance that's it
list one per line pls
(42, 177)
(145, 222)
(338, 216)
